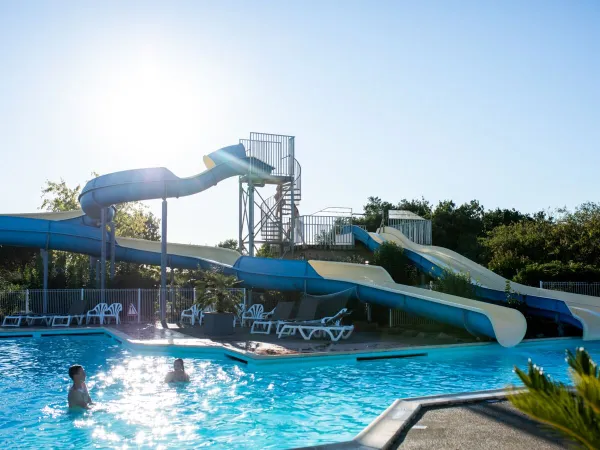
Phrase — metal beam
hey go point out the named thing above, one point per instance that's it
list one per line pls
(163, 263)
(241, 217)
(251, 217)
(44, 254)
(113, 244)
(103, 252)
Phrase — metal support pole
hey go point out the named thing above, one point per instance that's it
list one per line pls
(97, 273)
(113, 244)
(103, 253)
(292, 199)
(163, 264)
(250, 217)
(241, 217)
(139, 305)
(92, 269)
(44, 253)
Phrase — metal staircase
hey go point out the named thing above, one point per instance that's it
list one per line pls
(276, 166)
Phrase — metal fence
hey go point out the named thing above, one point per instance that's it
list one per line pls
(573, 287)
(411, 225)
(139, 305)
(324, 231)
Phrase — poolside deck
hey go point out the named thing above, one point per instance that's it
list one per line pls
(262, 344)
(270, 345)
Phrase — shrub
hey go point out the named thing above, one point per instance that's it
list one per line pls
(459, 284)
(391, 257)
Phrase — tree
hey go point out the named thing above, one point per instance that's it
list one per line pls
(231, 244)
(573, 412)
(57, 196)
(266, 251)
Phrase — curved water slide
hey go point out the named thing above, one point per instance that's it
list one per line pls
(581, 311)
(77, 231)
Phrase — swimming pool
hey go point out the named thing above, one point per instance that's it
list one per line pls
(227, 404)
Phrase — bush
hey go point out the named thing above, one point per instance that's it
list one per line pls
(532, 274)
(459, 284)
(391, 257)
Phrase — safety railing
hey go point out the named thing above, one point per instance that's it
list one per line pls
(324, 231)
(139, 305)
(418, 231)
(582, 288)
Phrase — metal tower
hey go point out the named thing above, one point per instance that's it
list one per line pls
(277, 222)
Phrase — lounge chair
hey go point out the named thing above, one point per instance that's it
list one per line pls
(283, 311)
(307, 311)
(76, 312)
(327, 326)
(15, 320)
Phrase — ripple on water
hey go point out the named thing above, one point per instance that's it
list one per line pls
(226, 405)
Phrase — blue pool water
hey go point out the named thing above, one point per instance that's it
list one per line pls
(227, 405)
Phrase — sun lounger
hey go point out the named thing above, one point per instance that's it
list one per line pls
(15, 320)
(76, 313)
(327, 326)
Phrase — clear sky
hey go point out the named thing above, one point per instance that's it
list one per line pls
(498, 101)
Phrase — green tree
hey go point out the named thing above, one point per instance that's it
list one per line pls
(58, 196)
(266, 251)
(573, 412)
(231, 244)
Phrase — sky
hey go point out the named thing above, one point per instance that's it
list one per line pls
(497, 101)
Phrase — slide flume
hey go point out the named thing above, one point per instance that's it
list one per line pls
(579, 310)
(77, 231)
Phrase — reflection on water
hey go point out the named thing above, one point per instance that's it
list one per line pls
(225, 405)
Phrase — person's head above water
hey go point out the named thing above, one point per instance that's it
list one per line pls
(77, 373)
(178, 365)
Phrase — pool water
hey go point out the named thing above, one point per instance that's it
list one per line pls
(227, 404)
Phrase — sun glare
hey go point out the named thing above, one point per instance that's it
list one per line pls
(149, 109)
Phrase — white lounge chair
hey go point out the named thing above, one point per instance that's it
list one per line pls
(96, 313)
(76, 312)
(15, 320)
(112, 312)
(327, 326)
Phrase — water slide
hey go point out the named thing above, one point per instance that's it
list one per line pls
(581, 311)
(78, 231)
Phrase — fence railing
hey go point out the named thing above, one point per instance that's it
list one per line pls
(573, 287)
(324, 231)
(139, 305)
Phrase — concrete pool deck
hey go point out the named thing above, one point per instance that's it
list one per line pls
(262, 344)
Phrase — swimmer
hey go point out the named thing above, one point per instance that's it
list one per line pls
(178, 374)
(78, 394)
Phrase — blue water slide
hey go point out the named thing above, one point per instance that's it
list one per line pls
(576, 310)
(80, 234)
